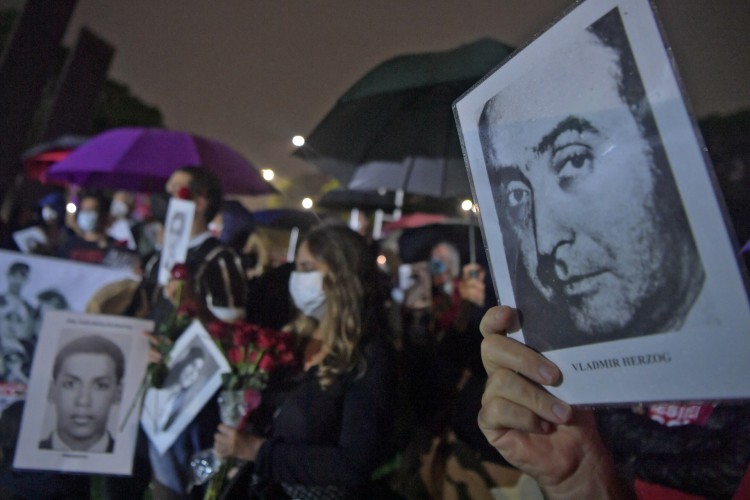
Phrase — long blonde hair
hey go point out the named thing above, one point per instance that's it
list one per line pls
(347, 287)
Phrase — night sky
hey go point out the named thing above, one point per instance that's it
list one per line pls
(253, 73)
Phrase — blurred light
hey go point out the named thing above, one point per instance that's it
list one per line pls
(298, 140)
(267, 174)
(382, 260)
(307, 203)
(71, 208)
(467, 205)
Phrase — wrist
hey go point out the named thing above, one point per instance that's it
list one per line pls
(595, 477)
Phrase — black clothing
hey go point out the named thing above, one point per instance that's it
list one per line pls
(333, 437)
(705, 460)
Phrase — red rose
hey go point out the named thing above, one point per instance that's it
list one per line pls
(284, 342)
(252, 357)
(188, 308)
(286, 358)
(242, 334)
(184, 193)
(267, 363)
(266, 339)
(235, 355)
(216, 330)
(180, 272)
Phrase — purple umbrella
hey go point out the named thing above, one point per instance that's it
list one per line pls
(142, 159)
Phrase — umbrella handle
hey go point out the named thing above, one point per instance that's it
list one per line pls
(472, 245)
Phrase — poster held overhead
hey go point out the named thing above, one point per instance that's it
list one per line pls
(600, 214)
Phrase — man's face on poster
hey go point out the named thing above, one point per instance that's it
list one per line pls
(573, 179)
(16, 281)
(83, 393)
(191, 372)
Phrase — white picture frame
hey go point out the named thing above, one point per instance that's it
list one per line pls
(694, 342)
(71, 394)
(177, 229)
(161, 419)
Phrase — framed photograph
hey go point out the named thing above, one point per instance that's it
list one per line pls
(85, 376)
(600, 214)
(29, 286)
(179, 223)
(195, 368)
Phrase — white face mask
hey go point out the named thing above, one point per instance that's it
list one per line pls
(118, 208)
(307, 293)
(86, 220)
(49, 214)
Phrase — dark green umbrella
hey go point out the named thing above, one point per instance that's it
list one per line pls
(394, 129)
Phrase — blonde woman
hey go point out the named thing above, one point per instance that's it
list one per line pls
(336, 413)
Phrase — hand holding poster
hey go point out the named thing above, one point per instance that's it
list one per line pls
(600, 215)
(195, 368)
(86, 369)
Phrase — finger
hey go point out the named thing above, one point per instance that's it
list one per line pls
(154, 356)
(151, 337)
(526, 401)
(499, 320)
(503, 353)
(497, 416)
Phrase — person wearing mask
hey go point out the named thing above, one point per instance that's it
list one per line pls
(216, 281)
(89, 243)
(120, 226)
(337, 411)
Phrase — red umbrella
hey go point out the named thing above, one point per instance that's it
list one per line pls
(142, 159)
(417, 219)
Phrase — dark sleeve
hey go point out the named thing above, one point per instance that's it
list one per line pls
(367, 417)
(705, 460)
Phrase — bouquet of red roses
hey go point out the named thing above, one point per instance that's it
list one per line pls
(253, 353)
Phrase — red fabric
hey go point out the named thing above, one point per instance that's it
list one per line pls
(743, 492)
(680, 414)
(650, 491)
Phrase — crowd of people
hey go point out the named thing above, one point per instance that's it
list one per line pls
(390, 396)
(371, 372)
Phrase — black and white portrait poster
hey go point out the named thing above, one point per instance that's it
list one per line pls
(600, 215)
(30, 286)
(177, 228)
(195, 368)
(85, 377)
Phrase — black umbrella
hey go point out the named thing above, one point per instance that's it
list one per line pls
(345, 199)
(395, 129)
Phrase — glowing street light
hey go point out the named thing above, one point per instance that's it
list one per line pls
(298, 140)
(307, 203)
